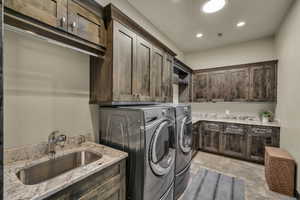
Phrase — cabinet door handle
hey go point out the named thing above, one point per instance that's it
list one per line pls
(63, 20)
(73, 24)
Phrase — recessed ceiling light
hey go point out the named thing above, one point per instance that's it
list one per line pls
(199, 35)
(240, 24)
(213, 6)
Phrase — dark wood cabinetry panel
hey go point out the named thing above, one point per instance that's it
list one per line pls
(142, 73)
(200, 87)
(246, 142)
(156, 74)
(51, 12)
(258, 139)
(124, 63)
(238, 80)
(249, 82)
(197, 144)
(85, 24)
(263, 82)
(234, 140)
(167, 80)
(212, 136)
(108, 184)
(218, 86)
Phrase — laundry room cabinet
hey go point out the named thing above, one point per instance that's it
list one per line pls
(241, 141)
(211, 136)
(137, 68)
(200, 87)
(76, 17)
(260, 137)
(253, 82)
(233, 140)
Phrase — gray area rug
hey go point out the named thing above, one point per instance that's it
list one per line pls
(210, 185)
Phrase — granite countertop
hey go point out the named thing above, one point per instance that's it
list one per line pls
(14, 189)
(196, 118)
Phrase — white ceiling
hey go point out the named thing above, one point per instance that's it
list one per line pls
(180, 20)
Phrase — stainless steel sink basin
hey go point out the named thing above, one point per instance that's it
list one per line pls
(55, 167)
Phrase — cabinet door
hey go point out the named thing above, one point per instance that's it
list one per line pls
(200, 87)
(104, 192)
(217, 86)
(196, 139)
(124, 63)
(239, 84)
(258, 139)
(142, 73)
(167, 80)
(51, 12)
(234, 140)
(156, 74)
(211, 137)
(85, 24)
(263, 83)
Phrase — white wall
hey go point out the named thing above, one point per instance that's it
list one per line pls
(46, 88)
(288, 110)
(246, 52)
(138, 17)
(235, 107)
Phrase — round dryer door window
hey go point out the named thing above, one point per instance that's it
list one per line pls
(162, 152)
(185, 136)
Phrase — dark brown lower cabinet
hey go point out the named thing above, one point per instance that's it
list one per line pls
(246, 142)
(196, 138)
(108, 184)
(258, 139)
(211, 136)
(234, 140)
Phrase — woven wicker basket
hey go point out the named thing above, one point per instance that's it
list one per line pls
(280, 171)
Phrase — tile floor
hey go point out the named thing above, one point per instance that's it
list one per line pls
(253, 174)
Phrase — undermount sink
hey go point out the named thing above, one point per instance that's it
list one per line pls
(55, 167)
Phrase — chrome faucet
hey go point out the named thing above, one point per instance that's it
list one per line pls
(53, 140)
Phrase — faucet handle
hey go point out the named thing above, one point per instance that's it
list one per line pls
(52, 136)
(81, 140)
(62, 138)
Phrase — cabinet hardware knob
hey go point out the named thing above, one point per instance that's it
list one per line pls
(74, 25)
(63, 20)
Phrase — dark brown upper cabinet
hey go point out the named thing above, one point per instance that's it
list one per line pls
(137, 68)
(255, 82)
(238, 82)
(124, 63)
(82, 19)
(200, 87)
(217, 84)
(156, 75)
(167, 79)
(51, 12)
(263, 82)
(85, 24)
(142, 80)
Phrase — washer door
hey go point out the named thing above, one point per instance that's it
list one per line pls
(162, 151)
(185, 136)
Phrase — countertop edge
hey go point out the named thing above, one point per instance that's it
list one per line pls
(251, 123)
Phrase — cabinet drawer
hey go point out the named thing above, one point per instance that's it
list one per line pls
(85, 24)
(212, 127)
(234, 129)
(105, 190)
(51, 12)
(260, 130)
